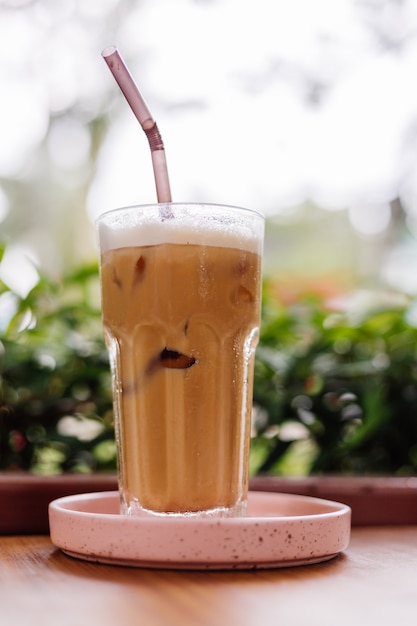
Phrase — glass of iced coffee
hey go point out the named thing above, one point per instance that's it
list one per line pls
(181, 289)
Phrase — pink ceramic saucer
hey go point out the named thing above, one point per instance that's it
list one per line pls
(281, 530)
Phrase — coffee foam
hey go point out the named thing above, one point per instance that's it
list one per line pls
(122, 233)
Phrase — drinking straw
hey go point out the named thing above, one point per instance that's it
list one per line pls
(138, 105)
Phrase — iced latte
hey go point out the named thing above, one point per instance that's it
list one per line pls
(181, 312)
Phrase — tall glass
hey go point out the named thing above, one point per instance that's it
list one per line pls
(181, 300)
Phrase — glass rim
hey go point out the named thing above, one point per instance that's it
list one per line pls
(160, 205)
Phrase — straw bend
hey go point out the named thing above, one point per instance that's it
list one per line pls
(154, 137)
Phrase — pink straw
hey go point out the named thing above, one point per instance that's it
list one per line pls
(138, 105)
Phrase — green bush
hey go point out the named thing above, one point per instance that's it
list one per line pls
(55, 386)
(335, 391)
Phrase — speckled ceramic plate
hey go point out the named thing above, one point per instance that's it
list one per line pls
(280, 530)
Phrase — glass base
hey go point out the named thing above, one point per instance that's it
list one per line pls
(134, 509)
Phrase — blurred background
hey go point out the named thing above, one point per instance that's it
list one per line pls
(305, 111)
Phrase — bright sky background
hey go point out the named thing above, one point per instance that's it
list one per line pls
(226, 87)
(225, 83)
(261, 103)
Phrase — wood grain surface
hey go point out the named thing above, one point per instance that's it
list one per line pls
(373, 583)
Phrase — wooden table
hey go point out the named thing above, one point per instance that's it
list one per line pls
(373, 583)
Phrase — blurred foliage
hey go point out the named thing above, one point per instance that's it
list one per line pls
(335, 389)
(55, 386)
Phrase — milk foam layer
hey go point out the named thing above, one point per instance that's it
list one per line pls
(207, 225)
